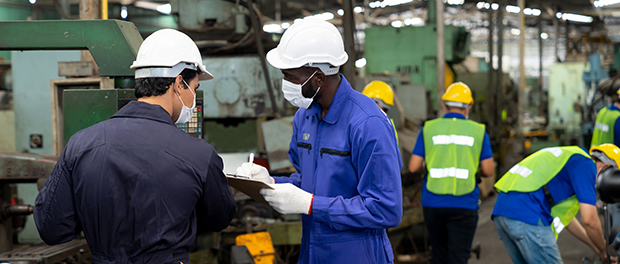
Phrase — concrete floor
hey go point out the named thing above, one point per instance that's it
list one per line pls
(493, 251)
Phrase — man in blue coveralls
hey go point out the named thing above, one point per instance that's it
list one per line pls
(136, 184)
(453, 148)
(347, 185)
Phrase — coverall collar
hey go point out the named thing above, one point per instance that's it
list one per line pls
(454, 115)
(613, 107)
(337, 104)
(137, 109)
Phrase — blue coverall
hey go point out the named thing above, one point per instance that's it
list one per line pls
(350, 161)
(137, 186)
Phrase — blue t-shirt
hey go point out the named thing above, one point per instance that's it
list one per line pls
(467, 201)
(578, 177)
(616, 126)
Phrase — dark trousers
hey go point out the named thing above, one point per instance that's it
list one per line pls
(451, 232)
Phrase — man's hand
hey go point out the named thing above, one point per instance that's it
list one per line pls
(255, 172)
(288, 199)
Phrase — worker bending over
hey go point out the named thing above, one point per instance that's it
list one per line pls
(452, 147)
(540, 196)
(347, 185)
(136, 184)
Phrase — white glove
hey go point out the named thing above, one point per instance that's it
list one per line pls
(255, 172)
(288, 199)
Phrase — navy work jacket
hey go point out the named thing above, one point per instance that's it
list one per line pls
(350, 161)
(137, 186)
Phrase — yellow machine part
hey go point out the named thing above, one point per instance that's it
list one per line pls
(260, 246)
(449, 76)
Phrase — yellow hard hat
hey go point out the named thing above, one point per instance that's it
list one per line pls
(606, 153)
(381, 91)
(458, 94)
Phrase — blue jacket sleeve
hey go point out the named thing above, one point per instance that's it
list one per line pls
(217, 203)
(54, 212)
(376, 157)
(295, 178)
(617, 132)
(418, 150)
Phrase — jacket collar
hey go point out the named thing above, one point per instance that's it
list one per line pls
(337, 104)
(137, 109)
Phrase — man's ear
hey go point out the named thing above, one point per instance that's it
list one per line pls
(177, 85)
(320, 78)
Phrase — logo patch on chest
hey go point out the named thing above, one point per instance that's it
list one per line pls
(306, 136)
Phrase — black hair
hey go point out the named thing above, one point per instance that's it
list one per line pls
(156, 86)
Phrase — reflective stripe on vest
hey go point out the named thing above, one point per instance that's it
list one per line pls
(537, 170)
(604, 127)
(452, 154)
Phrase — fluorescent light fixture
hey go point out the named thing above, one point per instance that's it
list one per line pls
(272, 28)
(360, 63)
(513, 9)
(558, 15)
(601, 3)
(340, 12)
(165, 9)
(124, 12)
(32, 2)
(515, 31)
(577, 18)
(325, 16)
(384, 3)
(487, 5)
(536, 12)
(544, 35)
(494, 6)
(397, 23)
(285, 25)
(531, 12)
(454, 2)
(358, 9)
(480, 5)
(414, 21)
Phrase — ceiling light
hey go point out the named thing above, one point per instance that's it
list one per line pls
(397, 23)
(358, 9)
(360, 63)
(272, 28)
(32, 1)
(124, 12)
(515, 31)
(165, 9)
(577, 18)
(285, 25)
(384, 3)
(340, 12)
(494, 6)
(513, 9)
(601, 3)
(544, 35)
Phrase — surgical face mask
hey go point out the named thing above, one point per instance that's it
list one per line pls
(292, 93)
(186, 113)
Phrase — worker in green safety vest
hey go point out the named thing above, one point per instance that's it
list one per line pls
(383, 95)
(540, 196)
(452, 147)
(607, 127)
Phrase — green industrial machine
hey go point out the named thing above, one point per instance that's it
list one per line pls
(85, 107)
(413, 51)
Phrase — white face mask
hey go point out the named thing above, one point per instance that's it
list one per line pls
(292, 93)
(186, 113)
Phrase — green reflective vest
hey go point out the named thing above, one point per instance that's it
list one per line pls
(604, 127)
(536, 171)
(452, 154)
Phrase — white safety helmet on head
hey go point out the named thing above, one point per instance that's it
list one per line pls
(310, 42)
(166, 53)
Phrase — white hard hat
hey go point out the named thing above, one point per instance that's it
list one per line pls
(310, 42)
(166, 53)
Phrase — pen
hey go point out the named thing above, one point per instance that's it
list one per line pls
(237, 176)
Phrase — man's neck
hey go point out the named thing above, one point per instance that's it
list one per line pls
(328, 92)
(159, 100)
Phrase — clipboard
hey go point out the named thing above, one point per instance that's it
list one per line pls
(249, 187)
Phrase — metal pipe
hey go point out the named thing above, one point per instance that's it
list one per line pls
(441, 58)
(499, 88)
(89, 10)
(491, 87)
(521, 65)
(556, 27)
(348, 22)
(261, 54)
(540, 67)
(104, 9)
